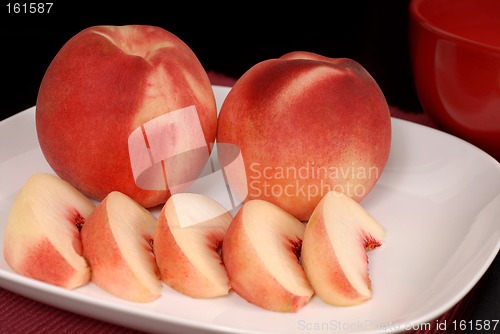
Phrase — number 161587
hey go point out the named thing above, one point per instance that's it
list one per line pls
(29, 7)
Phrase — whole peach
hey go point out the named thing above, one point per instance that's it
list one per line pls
(307, 124)
(126, 108)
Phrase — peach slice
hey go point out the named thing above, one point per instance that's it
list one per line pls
(261, 254)
(336, 239)
(117, 242)
(188, 237)
(42, 237)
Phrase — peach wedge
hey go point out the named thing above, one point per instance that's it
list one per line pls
(336, 239)
(190, 231)
(42, 237)
(261, 254)
(117, 242)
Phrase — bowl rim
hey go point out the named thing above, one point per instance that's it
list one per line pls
(422, 20)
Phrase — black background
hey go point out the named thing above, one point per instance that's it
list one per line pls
(229, 39)
(226, 39)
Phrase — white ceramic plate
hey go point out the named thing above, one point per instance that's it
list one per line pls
(438, 198)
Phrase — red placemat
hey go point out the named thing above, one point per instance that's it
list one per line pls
(23, 315)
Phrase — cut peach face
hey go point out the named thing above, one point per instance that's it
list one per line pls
(261, 254)
(189, 234)
(42, 234)
(117, 243)
(334, 248)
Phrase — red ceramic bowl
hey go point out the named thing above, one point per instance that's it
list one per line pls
(455, 52)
